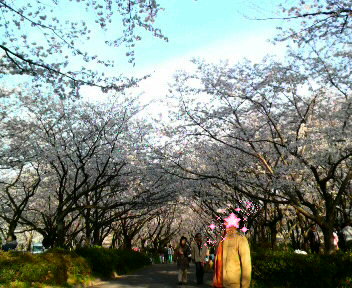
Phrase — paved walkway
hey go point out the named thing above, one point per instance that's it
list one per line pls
(156, 276)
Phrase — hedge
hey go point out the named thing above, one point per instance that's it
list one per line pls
(105, 262)
(61, 268)
(286, 269)
(271, 269)
(21, 269)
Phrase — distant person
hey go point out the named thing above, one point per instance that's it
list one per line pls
(335, 240)
(233, 266)
(199, 253)
(11, 243)
(182, 254)
(170, 252)
(208, 267)
(166, 254)
(161, 256)
(314, 239)
(212, 253)
(211, 263)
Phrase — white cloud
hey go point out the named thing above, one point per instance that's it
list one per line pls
(234, 49)
(253, 47)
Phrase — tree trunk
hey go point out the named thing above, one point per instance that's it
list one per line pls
(273, 233)
(295, 238)
(96, 238)
(328, 226)
(114, 241)
(60, 232)
(88, 233)
(49, 239)
(328, 238)
(11, 231)
(143, 241)
(29, 242)
(305, 240)
(127, 243)
(255, 235)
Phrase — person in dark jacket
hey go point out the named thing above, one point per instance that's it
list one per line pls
(166, 255)
(199, 253)
(183, 256)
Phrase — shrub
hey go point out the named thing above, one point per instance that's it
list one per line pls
(286, 269)
(105, 262)
(20, 269)
(64, 268)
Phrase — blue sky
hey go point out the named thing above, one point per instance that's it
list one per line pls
(213, 30)
(191, 26)
(195, 25)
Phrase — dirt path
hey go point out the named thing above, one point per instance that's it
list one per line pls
(156, 276)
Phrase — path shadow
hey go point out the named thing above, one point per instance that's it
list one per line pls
(157, 276)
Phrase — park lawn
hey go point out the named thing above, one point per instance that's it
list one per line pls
(60, 268)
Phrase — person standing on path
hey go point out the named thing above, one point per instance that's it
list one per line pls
(314, 239)
(199, 252)
(233, 266)
(161, 255)
(166, 255)
(183, 254)
(170, 252)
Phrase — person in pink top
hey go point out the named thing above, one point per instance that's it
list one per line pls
(336, 241)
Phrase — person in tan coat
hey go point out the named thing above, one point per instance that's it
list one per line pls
(233, 266)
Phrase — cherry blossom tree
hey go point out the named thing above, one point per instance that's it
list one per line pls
(284, 137)
(92, 160)
(324, 20)
(16, 195)
(40, 41)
